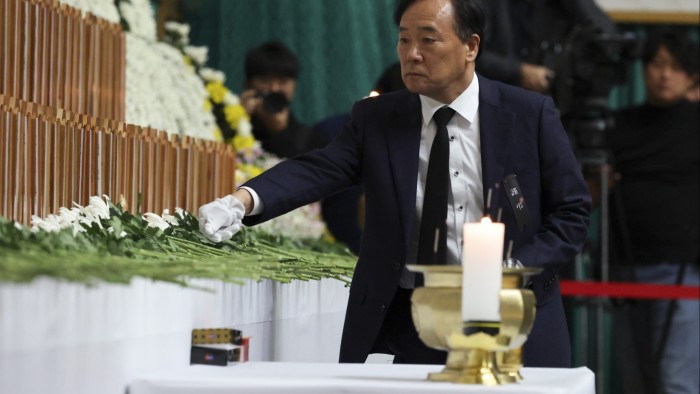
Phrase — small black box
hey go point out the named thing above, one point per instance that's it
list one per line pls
(215, 355)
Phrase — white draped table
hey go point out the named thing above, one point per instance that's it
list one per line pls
(310, 378)
(58, 337)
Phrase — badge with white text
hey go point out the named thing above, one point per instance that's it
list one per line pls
(517, 201)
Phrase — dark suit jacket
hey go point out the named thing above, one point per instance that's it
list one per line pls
(520, 134)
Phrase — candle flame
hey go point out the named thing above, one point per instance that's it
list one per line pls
(485, 220)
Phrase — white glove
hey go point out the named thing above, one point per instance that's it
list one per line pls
(221, 218)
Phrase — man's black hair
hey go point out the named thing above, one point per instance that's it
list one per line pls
(683, 49)
(469, 17)
(271, 58)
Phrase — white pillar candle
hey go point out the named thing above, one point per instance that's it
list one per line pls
(482, 259)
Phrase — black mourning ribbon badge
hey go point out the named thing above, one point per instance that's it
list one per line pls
(517, 200)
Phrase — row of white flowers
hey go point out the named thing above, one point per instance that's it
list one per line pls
(296, 224)
(93, 213)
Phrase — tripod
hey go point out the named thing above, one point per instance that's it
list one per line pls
(618, 262)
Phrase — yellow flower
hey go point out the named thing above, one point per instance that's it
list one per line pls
(234, 114)
(241, 143)
(217, 134)
(327, 236)
(207, 106)
(217, 91)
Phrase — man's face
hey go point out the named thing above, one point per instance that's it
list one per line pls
(274, 84)
(434, 61)
(665, 79)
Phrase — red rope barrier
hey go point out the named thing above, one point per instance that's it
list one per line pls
(628, 290)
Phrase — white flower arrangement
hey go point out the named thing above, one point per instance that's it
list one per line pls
(163, 92)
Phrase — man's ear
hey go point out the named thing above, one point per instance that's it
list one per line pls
(472, 46)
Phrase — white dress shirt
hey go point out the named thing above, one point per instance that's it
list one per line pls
(465, 201)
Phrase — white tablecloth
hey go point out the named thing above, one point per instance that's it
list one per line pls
(306, 378)
(58, 337)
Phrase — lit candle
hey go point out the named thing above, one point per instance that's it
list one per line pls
(482, 257)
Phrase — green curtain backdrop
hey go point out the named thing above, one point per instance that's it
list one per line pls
(343, 45)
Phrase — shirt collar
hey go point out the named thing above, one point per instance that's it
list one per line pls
(466, 104)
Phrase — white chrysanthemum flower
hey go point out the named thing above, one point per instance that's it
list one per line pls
(68, 215)
(212, 75)
(36, 222)
(170, 219)
(182, 29)
(245, 129)
(154, 220)
(198, 54)
(99, 207)
(231, 99)
(89, 217)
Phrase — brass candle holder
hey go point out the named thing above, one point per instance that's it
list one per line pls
(478, 358)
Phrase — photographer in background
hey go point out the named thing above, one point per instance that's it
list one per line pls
(525, 39)
(271, 71)
(656, 152)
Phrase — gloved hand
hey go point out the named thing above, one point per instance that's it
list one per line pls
(221, 218)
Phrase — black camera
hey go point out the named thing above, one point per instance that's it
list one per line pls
(592, 63)
(273, 102)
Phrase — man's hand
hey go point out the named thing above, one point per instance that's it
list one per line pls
(535, 78)
(221, 219)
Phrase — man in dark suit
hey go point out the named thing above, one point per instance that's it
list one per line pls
(496, 133)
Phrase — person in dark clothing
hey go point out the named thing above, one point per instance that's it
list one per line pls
(494, 133)
(271, 72)
(525, 39)
(657, 156)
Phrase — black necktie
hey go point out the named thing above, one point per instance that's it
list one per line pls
(433, 225)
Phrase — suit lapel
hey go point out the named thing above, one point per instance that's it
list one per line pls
(496, 132)
(403, 143)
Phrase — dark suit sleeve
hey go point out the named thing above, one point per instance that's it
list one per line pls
(311, 176)
(565, 200)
